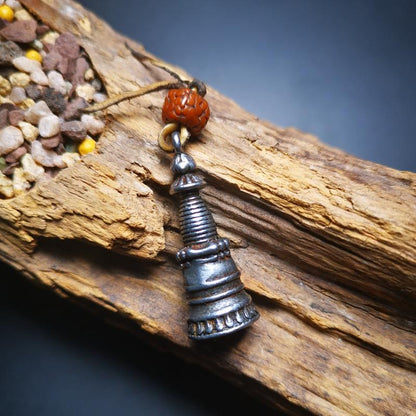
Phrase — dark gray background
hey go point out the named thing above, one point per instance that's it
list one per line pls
(343, 70)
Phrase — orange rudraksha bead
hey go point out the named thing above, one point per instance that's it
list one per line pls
(187, 108)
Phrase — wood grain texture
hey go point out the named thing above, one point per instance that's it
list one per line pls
(325, 241)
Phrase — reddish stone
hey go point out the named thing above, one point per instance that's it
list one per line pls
(15, 116)
(51, 60)
(66, 44)
(42, 29)
(4, 120)
(14, 156)
(62, 65)
(51, 142)
(8, 107)
(23, 31)
(81, 65)
(10, 169)
(74, 130)
(74, 108)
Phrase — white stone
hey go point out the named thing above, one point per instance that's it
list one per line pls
(89, 74)
(30, 132)
(50, 37)
(20, 183)
(6, 186)
(26, 65)
(37, 111)
(39, 77)
(85, 91)
(22, 14)
(31, 168)
(49, 126)
(70, 158)
(92, 124)
(37, 44)
(99, 97)
(14, 4)
(18, 95)
(19, 79)
(10, 139)
(5, 86)
(47, 158)
(57, 82)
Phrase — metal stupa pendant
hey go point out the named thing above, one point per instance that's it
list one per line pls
(218, 303)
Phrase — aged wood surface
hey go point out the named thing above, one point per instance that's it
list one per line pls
(325, 241)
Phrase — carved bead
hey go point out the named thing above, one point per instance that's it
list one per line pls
(187, 108)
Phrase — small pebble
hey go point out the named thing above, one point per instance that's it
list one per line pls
(50, 37)
(8, 106)
(39, 77)
(42, 29)
(38, 45)
(4, 118)
(38, 110)
(74, 108)
(14, 4)
(20, 183)
(15, 155)
(16, 116)
(46, 158)
(54, 99)
(8, 51)
(30, 132)
(6, 186)
(49, 126)
(51, 142)
(10, 139)
(89, 74)
(67, 45)
(10, 169)
(74, 130)
(66, 67)
(34, 55)
(17, 95)
(70, 158)
(87, 146)
(27, 104)
(22, 14)
(57, 82)
(99, 97)
(81, 66)
(22, 31)
(33, 91)
(60, 149)
(19, 79)
(51, 60)
(85, 91)
(5, 86)
(22, 63)
(96, 83)
(92, 124)
(31, 169)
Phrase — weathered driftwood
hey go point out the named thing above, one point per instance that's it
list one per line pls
(326, 243)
